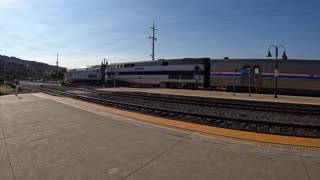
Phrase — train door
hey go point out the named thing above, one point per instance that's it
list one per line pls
(252, 74)
(257, 76)
(197, 75)
(206, 73)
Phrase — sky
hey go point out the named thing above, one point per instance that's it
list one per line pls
(86, 31)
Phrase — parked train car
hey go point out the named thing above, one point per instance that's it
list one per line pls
(86, 75)
(173, 73)
(295, 76)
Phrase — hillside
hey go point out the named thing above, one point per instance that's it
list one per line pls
(12, 67)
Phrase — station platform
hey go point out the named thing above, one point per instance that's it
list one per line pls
(47, 137)
(222, 95)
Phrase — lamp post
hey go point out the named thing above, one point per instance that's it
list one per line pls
(276, 71)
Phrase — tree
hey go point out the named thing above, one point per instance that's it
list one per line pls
(54, 75)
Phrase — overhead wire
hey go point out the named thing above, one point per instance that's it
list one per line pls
(173, 26)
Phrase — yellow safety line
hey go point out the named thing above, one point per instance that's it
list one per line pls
(271, 146)
(256, 139)
(183, 131)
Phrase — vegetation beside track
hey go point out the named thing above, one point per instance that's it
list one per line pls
(5, 89)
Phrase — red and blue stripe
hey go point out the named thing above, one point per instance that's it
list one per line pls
(268, 74)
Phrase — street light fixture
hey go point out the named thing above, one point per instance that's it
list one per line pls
(276, 71)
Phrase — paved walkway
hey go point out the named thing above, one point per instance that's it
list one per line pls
(41, 138)
(223, 95)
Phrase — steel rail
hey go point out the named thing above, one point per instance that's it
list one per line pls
(279, 128)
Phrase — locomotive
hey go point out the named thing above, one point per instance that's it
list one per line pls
(93, 75)
(294, 76)
(173, 73)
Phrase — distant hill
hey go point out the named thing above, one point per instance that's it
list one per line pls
(12, 67)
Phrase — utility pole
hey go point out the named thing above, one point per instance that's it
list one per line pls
(153, 39)
(57, 63)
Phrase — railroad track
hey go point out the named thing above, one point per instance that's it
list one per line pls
(279, 128)
(241, 105)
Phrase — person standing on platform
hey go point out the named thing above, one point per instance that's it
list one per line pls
(16, 82)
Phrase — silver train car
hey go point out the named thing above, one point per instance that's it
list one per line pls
(294, 76)
(173, 73)
(298, 77)
(85, 75)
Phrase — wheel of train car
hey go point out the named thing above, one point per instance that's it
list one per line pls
(172, 85)
(163, 85)
(190, 86)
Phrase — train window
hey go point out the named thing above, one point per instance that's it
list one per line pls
(245, 74)
(174, 76)
(92, 76)
(127, 65)
(132, 65)
(256, 70)
(186, 76)
(165, 63)
(246, 69)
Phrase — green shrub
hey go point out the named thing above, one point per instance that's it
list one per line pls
(5, 89)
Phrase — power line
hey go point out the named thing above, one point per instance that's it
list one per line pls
(208, 20)
(153, 39)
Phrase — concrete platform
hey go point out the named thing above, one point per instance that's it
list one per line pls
(45, 137)
(222, 95)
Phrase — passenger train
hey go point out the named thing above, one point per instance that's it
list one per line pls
(294, 76)
(174, 73)
(93, 75)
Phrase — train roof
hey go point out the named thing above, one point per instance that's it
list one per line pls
(196, 59)
(191, 60)
(162, 60)
(267, 60)
(83, 69)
